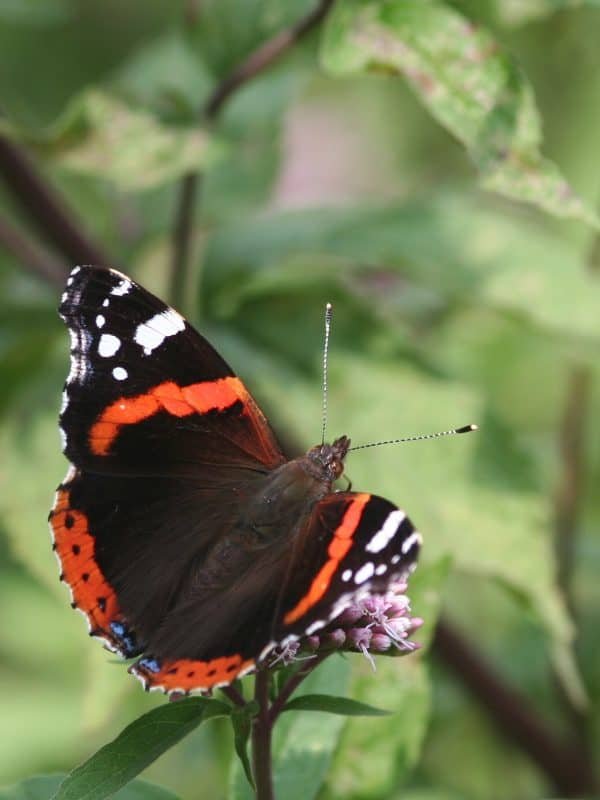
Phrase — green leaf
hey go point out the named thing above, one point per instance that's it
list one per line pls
(520, 12)
(136, 747)
(102, 136)
(375, 754)
(425, 590)
(35, 14)
(467, 83)
(227, 31)
(330, 704)
(252, 125)
(241, 720)
(452, 246)
(166, 75)
(41, 787)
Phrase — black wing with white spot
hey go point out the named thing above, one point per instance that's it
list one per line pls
(146, 394)
(354, 544)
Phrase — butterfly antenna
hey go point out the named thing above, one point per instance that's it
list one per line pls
(464, 429)
(328, 316)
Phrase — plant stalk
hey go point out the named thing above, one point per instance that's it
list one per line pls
(261, 739)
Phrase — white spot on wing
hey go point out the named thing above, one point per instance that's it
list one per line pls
(63, 438)
(364, 573)
(75, 270)
(414, 538)
(120, 374)
(100, 320)
(395, 559)
(105, 303)
(121, 288)
(346, 575)
(381, 569)
(266, 650)
(315, 626)
(151, 334)
(387, 531)
(108, 345)
(64, 402)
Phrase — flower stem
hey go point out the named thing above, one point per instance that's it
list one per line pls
(261, 739)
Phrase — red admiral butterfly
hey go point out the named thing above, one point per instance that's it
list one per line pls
(184, 533)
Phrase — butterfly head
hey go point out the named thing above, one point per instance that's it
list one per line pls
(329, 458)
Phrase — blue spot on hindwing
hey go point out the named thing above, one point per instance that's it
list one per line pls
(151, 664)
(125, 639)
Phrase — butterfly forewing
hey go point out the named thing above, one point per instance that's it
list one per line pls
(354, 543)
(146, 394)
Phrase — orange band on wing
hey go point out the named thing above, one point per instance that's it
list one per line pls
(338, 547)
(197, 398)
(187, 675)
(74, 545)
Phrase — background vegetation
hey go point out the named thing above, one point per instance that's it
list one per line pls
(387, 158)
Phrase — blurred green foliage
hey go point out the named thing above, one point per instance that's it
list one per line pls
(359, 169)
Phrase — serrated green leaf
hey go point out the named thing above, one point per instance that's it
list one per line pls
(136, 747)
(467, 83)
(41, 787)
(242, 728)
(102, 136)
(330, 704)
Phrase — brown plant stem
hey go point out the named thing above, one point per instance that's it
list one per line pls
(43, 206)
(264, 56)
(234, 695)
(182, 238)
(570, 483)
(568, 498)
(32, 257)
(561, 760)
(257, 62)
(261, 738)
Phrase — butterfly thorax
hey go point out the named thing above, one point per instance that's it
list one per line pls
(270, 509)
(273, 505)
